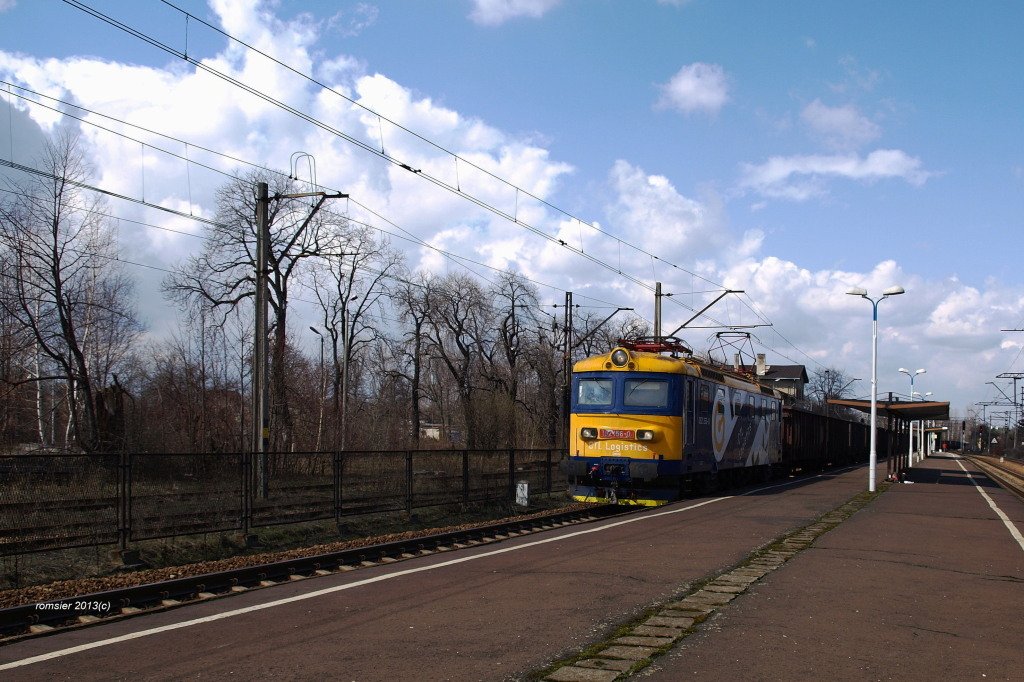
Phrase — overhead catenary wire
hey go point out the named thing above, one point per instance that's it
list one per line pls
(383, 154)
(237, 159)
(372, 148)
(380, 117)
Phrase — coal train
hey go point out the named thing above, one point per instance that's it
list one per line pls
(649, 423)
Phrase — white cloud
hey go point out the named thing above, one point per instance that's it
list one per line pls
(648, 210)
(194, 106)
(857, 78)
(841, 127)
(799, 178)
(350, 23)
(934, 325)
(497, 12)
(6, 5)
(696, 87)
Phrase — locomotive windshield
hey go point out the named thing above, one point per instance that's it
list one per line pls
(646, 393)
(594, 392)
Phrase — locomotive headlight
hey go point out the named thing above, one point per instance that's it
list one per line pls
(645, 434)
(620, 357)
(587, 433)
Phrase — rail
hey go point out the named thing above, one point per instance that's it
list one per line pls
(1006, 472)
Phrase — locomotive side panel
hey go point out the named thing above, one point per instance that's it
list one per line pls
(743, 428)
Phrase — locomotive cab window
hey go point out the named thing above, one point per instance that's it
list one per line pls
(646, 393)
(594, 392)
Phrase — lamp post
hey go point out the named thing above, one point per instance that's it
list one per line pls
(323, 389)
(922, 439)
(910, 431)
(858, 291)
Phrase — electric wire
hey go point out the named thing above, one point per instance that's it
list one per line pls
(411, 237)
(382, 153)
(431, 143)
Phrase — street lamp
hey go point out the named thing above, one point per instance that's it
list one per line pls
(858, 291)
(910, 431)
(907, 372)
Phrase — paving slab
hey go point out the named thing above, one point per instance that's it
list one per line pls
(580, 674)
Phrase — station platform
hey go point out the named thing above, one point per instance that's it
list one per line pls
(925, 583)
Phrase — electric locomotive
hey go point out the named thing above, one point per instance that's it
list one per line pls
(647, 421)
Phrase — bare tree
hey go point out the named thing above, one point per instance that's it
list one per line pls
(68, 293)
(412, 299)
(223, 274)
(20, 362)
(458, 318)
(829, 383)
(515, 302)
(349, 285)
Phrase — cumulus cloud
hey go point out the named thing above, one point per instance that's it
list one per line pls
(649, 210)
(799, 178)
(841, 127)
(935, 324)
(497, 12)
(7, 5)
(202, 109)
(696, 87)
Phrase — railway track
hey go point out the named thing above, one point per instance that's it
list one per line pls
(1006, 472)
(35, 619)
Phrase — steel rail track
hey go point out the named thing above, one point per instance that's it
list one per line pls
(1009, 477)
(29, 620)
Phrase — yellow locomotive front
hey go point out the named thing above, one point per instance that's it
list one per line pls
(626, 426)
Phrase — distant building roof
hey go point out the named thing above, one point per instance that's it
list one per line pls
(789, 372)
(782, 372)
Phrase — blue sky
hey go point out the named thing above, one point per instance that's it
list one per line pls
(791, 149)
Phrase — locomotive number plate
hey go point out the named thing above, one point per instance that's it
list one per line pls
(622, 434)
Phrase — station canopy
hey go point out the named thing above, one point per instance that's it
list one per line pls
(900, 409)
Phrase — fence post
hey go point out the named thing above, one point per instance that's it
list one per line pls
(336, 469)
(512, 474)
(547, 473)
(124, 468)
(408, 482)
(246, 481)
(465, 476)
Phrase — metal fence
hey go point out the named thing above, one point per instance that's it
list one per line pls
(60, 501)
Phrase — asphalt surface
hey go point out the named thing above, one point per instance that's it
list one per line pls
(501, 609)
(926, 583)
